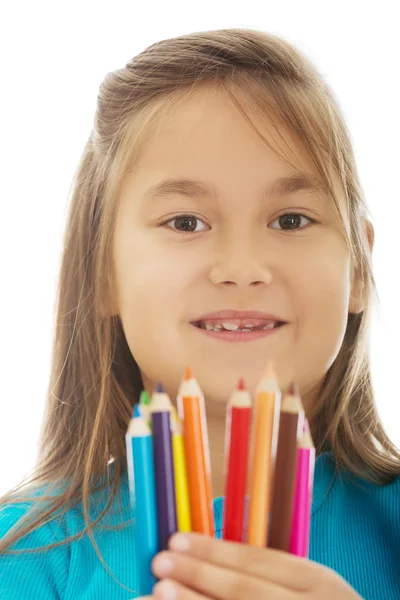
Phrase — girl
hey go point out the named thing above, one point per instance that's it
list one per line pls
(217, 191)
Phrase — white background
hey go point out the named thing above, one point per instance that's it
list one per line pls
(53, 59)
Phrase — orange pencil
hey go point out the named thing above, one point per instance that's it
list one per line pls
(204, 422)
(262, 465)
(191, 411)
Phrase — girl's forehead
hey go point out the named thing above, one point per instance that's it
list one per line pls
(208, 114)
(207, 126)
(198, 135)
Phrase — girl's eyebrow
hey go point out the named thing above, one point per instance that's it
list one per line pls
(193, 188)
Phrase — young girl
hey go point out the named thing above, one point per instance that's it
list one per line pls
(217, 191)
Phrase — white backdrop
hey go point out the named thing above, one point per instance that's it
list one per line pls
(53, 59)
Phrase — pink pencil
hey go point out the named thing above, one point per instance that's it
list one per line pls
(300, 534)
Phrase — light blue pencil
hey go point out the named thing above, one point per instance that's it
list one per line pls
(139, 448)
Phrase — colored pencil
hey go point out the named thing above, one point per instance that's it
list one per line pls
(160, 410)
(139, 451)
(290, 430)
(300, 535)
(204, 421)
(144, 404)
(237, 437)
(262, 463)
(180, 473)
(191, 411)
(181, 483)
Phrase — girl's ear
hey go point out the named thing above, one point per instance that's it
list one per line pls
(356, 301)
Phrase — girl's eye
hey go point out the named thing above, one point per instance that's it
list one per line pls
(185, 224)
(191, 224)
(292, 221)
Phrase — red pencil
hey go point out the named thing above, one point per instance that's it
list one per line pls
(237, 437)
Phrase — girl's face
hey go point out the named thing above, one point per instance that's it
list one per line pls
(235, 250)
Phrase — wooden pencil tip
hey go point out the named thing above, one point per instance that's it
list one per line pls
(294, 389)
(160, 388)
(241, 384)
(188, 374)
(306, 427)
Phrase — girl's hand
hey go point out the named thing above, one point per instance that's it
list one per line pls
(198, 567)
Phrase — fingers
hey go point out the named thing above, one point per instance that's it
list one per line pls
(212, 581)
(280, 568)
(171, 590)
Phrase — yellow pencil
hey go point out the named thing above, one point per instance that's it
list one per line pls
(181, 483)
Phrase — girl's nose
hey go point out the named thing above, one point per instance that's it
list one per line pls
(241, 265)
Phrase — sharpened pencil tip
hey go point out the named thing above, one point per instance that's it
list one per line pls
(136, 411)
(160, 388)
(241, 384)
(188, 374)
(144, 398)
(294, 389)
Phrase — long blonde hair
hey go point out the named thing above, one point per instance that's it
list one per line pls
(94, 378)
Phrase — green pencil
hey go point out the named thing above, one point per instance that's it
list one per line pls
(144, 405)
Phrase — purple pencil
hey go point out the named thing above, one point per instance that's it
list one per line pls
(160, 410)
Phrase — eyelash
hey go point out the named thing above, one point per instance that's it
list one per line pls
(190, 216)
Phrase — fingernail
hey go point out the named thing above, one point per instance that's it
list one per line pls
(161, 566)
(179, 542)
(165, 590)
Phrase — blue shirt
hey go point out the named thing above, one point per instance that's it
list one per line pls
(355, 530)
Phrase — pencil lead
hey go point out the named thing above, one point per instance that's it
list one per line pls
(136, 411)
(144, 398)
(188, 374)
(241, 384)
(160, 388)
(294, 389)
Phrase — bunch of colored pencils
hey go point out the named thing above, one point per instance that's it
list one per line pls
(269, 453)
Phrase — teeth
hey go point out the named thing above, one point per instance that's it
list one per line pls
(210, 327)
(232, 326)
(228, 326)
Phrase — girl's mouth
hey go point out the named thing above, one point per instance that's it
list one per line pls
(238, 330)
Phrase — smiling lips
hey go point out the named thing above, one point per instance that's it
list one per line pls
(236, 325)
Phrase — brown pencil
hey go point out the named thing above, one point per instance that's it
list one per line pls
(290, 430)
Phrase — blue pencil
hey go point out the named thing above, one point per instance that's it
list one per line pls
(139, 447)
